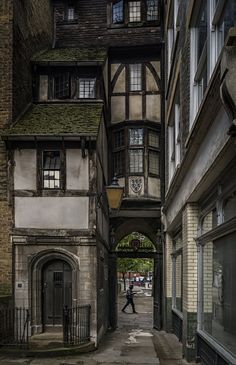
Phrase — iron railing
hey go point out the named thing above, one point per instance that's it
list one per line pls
(177, 325)
(14, 326)
(76, 325)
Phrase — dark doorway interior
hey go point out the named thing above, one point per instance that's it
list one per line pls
(56, 292)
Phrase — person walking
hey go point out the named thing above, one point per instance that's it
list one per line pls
(130, 300)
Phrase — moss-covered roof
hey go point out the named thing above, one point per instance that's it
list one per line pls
(71, 55)
(58, 119)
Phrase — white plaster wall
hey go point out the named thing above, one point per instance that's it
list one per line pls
(52, 213)
(153, 107)
(135, 107)
(120, 83)
(154, 187)
(210, 148)
(25, 170)
(117, 108)
(77, 170)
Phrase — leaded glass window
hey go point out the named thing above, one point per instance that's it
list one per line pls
(154, 162)
(118, 12)
(118, 139)
(51, 169)
(135, 11)
(87, 88)
(71, 13)
(153, 139)
(136, 160)
(136, 77)
(62, 86)
(119, 162)
(135, 136)
(152, 10)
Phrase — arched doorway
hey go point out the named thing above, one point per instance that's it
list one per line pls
(131, 249)
(56, 292)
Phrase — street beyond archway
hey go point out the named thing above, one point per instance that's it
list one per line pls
(134, 342)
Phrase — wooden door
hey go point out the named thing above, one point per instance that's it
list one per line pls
(57, 291)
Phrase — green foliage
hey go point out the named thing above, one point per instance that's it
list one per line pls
(141, 266)
(146, 244)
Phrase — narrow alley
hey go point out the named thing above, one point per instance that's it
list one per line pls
(134, 342)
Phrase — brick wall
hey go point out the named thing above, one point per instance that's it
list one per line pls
(5, 117)
(92, 28)
(32, 32)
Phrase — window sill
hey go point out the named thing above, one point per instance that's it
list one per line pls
(223, 352)
(150, 24)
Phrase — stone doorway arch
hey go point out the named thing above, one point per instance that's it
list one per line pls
(148, 228)
(36, 267)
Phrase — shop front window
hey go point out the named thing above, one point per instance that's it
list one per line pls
(219, 295)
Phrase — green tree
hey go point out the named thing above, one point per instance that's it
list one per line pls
(127, 265)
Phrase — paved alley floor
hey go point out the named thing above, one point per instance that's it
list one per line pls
(134, 342)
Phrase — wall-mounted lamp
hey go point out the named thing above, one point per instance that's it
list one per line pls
(114, 194)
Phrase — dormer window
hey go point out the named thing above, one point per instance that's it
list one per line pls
(71, 13)
(118, 12)
(134, 11)
(152, 10)
(86, 88)
(62, 86)
(130, 12)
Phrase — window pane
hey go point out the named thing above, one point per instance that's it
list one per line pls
(153, 139)
(136, 77)
(118, 139)
(135, 11)
(219, 272)
(152, 9)
(209, 221)
(51, 169)
(61, 86)
(202, 29)
(227, 21)
(154, 162)
(117, 12)
(71, 13)
(136, 136)
(87, 88)
(136, 160)
(230, 208)
(119, 163)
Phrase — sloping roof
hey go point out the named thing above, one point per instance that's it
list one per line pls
(58, 119)
(70, 55)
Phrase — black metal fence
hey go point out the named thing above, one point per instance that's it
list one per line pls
(14, 326)
(76, 325)
(177, 325)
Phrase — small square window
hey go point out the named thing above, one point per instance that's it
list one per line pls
(134, 11)
(118, 12)
(87, 88)
(51, 170)
(136, 77)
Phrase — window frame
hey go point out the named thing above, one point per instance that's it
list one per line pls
(177, 252)
(126, 14)
(43, 169)
(86, 79)
(140, 77)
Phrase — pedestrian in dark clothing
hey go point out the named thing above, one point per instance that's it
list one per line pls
(129, 297)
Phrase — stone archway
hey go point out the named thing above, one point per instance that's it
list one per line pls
(36, 266)
(152, 231)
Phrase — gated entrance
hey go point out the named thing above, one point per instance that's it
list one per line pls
(141, 253)
(56, 292)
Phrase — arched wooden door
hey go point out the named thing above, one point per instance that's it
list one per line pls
(56, 291)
